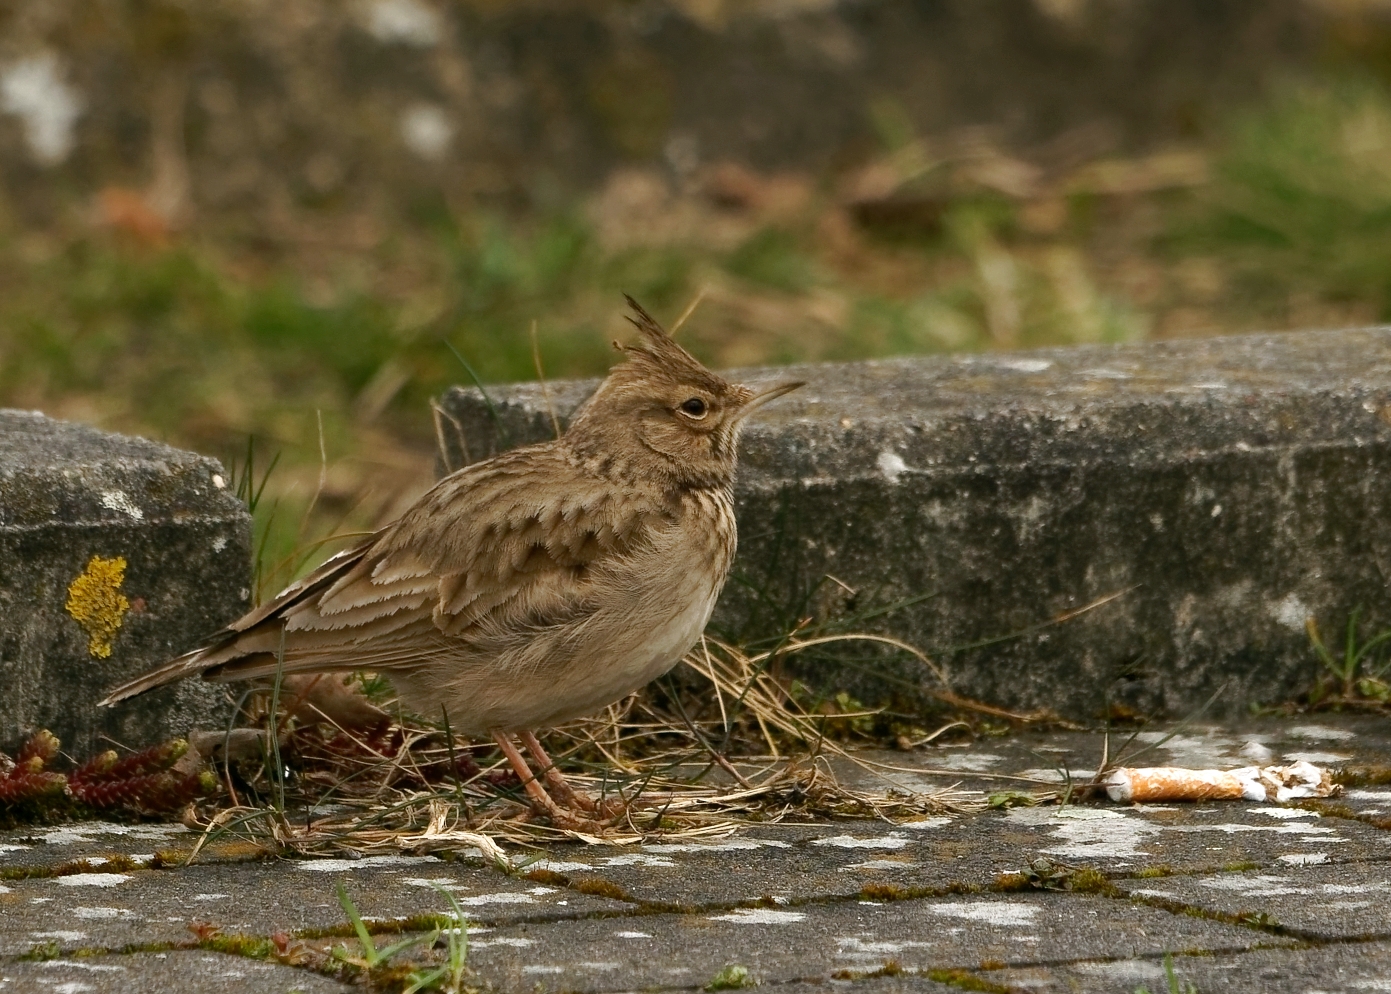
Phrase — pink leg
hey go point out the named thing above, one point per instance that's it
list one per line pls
(536, 791)
(557, 782)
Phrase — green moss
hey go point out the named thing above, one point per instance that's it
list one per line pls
(967, 981)
(250, 946)
(1150, 872)
(731, 978)
(599, 887)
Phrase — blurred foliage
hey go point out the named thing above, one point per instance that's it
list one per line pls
(205, 338)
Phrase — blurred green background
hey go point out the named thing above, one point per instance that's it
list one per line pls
(294, 222)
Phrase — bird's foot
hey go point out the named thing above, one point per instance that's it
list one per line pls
(577, 811)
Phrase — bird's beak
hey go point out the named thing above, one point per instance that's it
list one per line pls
(772, 393)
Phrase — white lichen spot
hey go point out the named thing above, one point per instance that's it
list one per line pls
(93, 879)
(759, 916)
(1007, 913)
(1320, 733)
(503, 940)
(119, 500)
(639, 859)
(891, 464)
(1318, 758)
(562, 866)
(1026, 365)
(219, 482)
(631, 935)
(925, 823)
(969, 762)
(727, 845)
(534, 968)
(1305, 858)
(1216, 510)
(1261, 885)
(1157, 522)
(427, 131)
(881, 864)
(1284, 813)
(219, 543)
(244, 593)
(854, 842)
(61, 935)
(340, 865)
(33, 89)
(477, 900)
(408, 22)
(1291, 612)
(211, 897)
(99, 913)
(1089, 833)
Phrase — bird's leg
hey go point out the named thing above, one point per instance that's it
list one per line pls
(539, 798)
(557, 782)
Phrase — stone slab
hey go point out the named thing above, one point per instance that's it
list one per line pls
(173, 972)
(176, 543)
(795, 863)
(1340, 968)
(1225, 489)
(816, 941)
(1316, 901)
(110, 910)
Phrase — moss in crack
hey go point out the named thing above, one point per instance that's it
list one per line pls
(967, 981)
(41, 951)
(547, 877)
(107, 864)
(249, 946)
(1328, 810)
(894, 892)
(891, 968)
(1362, 776)
(1151, 872)
(599, 887)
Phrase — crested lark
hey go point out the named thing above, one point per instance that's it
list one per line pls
(536, 586)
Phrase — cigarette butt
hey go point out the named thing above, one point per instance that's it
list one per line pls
(1251, 783)
(1171, 783)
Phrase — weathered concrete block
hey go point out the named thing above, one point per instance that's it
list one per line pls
(1221, 491)
(115, 554)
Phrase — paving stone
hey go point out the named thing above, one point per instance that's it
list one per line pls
(53, 845)
(797, 862)
(1331, 902)
(814, 941)
(1231, 488)
(990, 764)
(143, 542)
(110, 910)
(174, 972)
(1338, 968)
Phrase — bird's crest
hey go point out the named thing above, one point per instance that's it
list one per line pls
(658, 355)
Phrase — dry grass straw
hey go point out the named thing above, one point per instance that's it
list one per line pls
(750, 754)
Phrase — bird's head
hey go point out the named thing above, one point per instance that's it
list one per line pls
(662, 411)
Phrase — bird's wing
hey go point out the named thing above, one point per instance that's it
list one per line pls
(500, 546)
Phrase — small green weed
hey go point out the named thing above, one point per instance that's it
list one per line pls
(1361, 674)
(372, 957)
(1175, 986)
(731, 978)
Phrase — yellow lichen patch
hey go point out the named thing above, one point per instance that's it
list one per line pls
(95, 601)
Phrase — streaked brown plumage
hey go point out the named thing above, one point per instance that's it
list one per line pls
(539, 585)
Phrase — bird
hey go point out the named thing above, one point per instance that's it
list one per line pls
(534, 587)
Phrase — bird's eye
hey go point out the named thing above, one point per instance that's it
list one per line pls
(695, 408)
